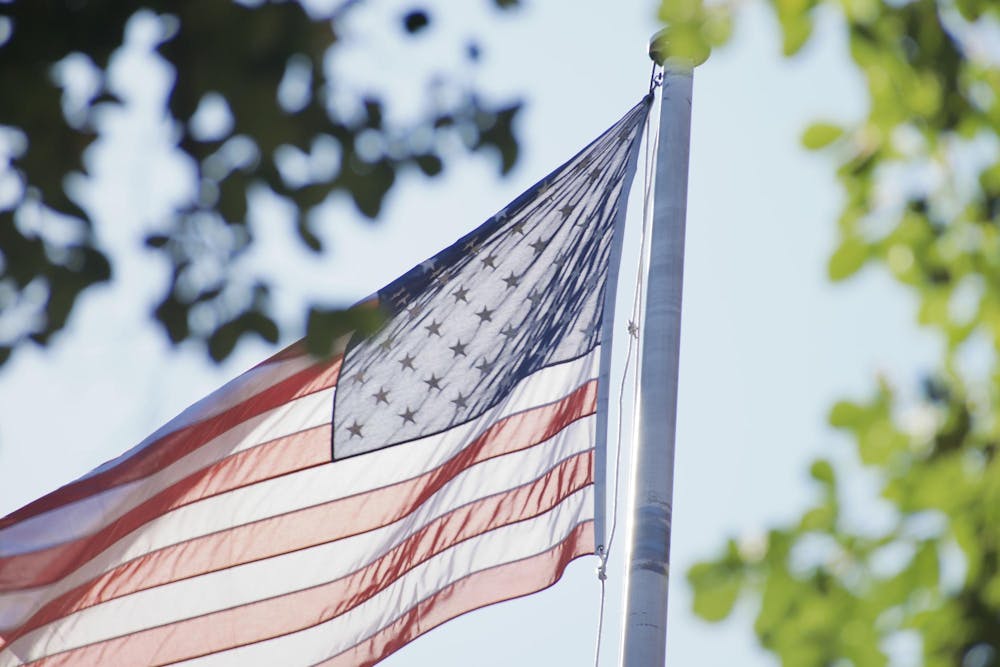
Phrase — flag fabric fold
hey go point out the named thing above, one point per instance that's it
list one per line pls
(330, 512)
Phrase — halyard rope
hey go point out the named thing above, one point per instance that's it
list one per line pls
(638, 307)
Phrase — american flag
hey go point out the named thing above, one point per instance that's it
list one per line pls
(330, 512)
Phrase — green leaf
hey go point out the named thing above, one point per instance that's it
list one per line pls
(934, 307)
(781, 593)
(796, 28)
(989, 179)
(819, 519)
(821, 135)
(991, 592)
(848, 415)
(848, 259)
(821, 470)
(880, 442)
(716, 588)
(925, 569)
(717, 26)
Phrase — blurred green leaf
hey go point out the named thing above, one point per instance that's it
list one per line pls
(848, 259)
(821, 135)
(915, 208)
(822, 518)
(796, 21)
(822, 471)
(716, 589)
(848, 415)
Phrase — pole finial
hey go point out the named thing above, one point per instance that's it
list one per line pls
(659, 52)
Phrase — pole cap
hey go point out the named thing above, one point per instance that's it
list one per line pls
(659, 52)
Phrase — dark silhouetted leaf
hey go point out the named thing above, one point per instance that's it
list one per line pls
(499, 133)
(312, 241)
(173, 316)
(416, 20)
(238, 54)
(429, 163)
(157, 240)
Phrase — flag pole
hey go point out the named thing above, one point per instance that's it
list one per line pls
(645, 619)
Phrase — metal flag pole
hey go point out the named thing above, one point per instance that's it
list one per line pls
(645, 619)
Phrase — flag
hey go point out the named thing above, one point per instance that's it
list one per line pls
(330, 512)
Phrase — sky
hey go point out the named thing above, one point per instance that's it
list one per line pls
(767, 342)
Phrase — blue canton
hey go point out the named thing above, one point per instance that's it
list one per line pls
(522, 292)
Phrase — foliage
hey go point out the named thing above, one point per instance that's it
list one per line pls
(241, 57)
(830, 592)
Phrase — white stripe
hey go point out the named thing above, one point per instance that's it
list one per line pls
(86, 516)
(17, 606)
(233, 392)
(273, 497)
(508, 544)
(301, 569)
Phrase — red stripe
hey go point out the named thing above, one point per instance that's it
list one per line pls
(318, 524)
(478, 590)
(273, 459)
(175, 445)
(300, 610)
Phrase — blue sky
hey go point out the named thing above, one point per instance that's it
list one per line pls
(767, 342)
